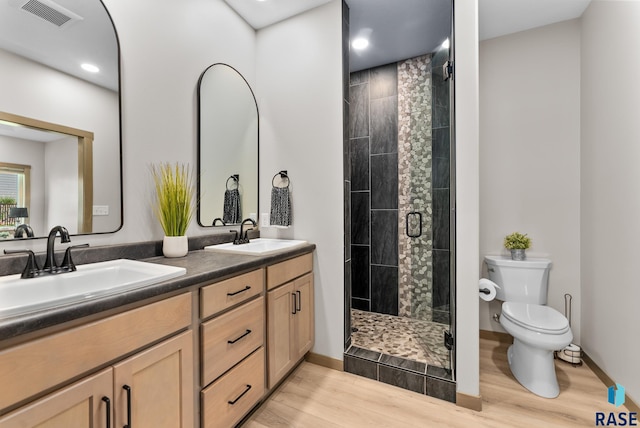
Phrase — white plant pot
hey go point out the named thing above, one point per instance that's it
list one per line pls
(175, 246)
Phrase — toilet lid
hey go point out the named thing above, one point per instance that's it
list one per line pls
(535, 317)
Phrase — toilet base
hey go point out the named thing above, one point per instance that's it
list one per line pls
(533, 368)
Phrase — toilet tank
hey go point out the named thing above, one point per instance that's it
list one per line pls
(523, 281)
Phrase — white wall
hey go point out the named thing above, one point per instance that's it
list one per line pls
(299, 92)
(530, 154)
(61, 184)
(165, 46)
(466, 129)
(610, 205)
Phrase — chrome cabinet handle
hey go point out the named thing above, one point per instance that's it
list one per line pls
(240, 337)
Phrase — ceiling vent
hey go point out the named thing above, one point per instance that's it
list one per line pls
(50, 12)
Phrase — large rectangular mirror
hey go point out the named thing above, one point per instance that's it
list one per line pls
(59, 113)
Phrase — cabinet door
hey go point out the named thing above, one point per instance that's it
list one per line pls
(280, 319)
(154, 388)
(304, 317)
(80, 405)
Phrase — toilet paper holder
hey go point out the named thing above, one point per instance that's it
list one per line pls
(485, 290)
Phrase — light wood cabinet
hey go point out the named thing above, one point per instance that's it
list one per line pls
(229, 398)
(84, 404)
(141, 368)
(154, 388)
(160, 394)
(225, 294)
(290, 325)
(50, 361)
(232, 348)
(229, 338)
(160, 378)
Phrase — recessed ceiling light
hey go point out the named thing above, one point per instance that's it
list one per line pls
(445, 44)
(360, 43)
(90, 68)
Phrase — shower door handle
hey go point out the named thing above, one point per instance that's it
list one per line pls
(408, 218)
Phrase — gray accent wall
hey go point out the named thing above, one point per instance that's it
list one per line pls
(373, 153)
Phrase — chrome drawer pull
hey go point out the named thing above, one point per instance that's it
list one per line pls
(240, 396)
(235, 340)
(239, 291)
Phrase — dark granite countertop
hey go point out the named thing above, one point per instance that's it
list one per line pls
(202, 267)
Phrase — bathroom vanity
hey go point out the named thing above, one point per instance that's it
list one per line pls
(200, 350)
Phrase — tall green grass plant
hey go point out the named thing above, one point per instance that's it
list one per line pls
(174, 197)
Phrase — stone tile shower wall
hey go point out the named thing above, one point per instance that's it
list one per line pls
(414, 172)
(399, 162)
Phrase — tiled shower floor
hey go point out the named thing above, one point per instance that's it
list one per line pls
(415, 340)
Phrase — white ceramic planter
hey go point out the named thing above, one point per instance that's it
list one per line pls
(175, 246)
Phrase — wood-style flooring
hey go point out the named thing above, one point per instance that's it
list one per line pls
(314, 396)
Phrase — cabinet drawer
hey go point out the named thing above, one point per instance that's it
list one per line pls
(229, 338)
(28, 367)
(229, 398)
(289, 269)
(225, 294)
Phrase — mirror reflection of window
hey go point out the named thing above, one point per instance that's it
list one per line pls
(14, 197)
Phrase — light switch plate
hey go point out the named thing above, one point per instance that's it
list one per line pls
(101, 210)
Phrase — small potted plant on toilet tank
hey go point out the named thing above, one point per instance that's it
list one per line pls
(517, 243)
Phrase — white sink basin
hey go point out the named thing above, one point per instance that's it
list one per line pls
(21, 296)
(258, 246)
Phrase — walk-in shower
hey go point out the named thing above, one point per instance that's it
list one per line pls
(398, 192)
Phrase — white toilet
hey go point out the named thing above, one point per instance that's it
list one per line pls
(537, 330)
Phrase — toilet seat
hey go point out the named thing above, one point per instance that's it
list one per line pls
(538, 318)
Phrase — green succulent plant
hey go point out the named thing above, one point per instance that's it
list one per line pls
(174, 197)
(517, 241)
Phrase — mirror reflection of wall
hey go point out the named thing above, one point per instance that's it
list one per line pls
(41, 78)
(228, 146)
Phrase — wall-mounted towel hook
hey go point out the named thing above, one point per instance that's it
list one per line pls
(283, 174)
(235, 178)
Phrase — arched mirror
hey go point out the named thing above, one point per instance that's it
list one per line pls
(59, 114)
(228, 147)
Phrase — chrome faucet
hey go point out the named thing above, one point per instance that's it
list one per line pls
(50, 265)
(244, 237)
